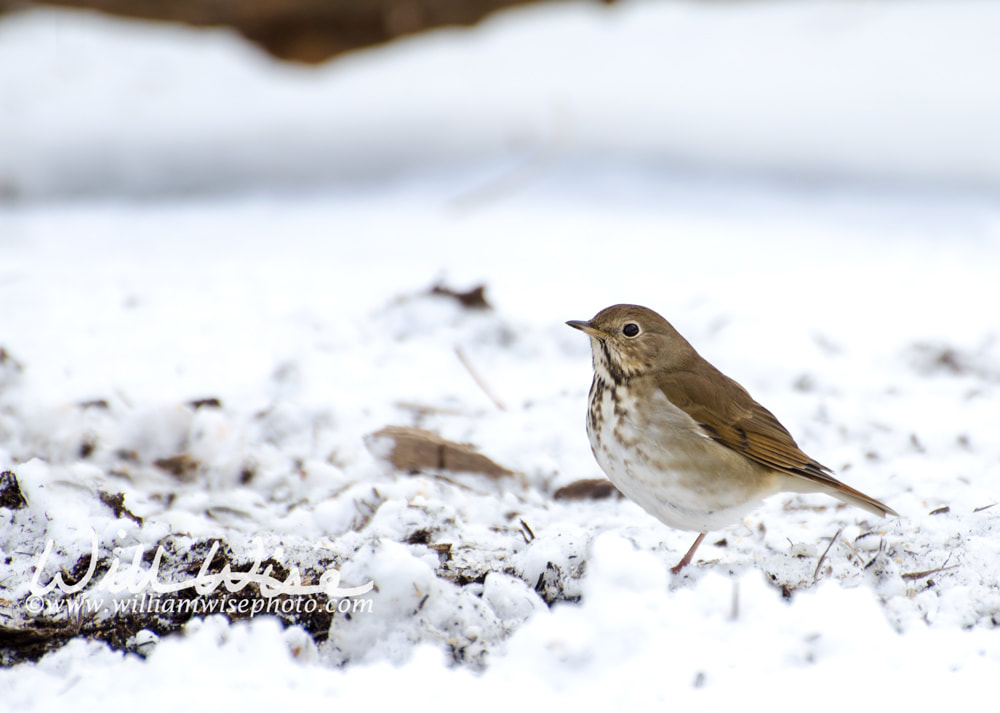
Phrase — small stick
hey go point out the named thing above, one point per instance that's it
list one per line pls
(825, 552)
(928, 572)
(881, 551)
(851, 548)
(526, 529)
(479, 381)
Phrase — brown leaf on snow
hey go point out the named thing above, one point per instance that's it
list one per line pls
(182, 466)
(470, 299)
(409, 448)
(589, 489)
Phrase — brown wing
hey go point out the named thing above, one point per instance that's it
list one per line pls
(730, 416)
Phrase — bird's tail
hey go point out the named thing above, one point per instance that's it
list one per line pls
(826, 483)
(855, 497)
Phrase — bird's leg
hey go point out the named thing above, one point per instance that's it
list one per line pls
(686, 559)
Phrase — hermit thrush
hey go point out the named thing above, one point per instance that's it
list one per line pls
(682, 439)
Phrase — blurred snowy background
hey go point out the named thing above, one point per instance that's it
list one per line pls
(215, 273)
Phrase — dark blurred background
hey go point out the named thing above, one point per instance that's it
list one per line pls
(301, 30)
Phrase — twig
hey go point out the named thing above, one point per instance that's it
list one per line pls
(475, 377)
(928, 572)
(526, 531)
(881, 551)
(851, 548)
(825, 552)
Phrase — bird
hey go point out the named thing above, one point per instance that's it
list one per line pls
(681, 439)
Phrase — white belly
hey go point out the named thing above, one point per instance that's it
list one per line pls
(671, 468)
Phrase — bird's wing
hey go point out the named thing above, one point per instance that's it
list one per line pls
(730, 416)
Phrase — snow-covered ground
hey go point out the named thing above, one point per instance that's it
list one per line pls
(806, 190)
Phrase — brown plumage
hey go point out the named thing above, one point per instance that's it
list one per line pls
(653, 405)
(732, 417)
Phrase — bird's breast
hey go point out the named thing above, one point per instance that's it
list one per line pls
(665, 462)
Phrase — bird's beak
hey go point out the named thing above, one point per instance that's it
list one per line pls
(587, 329)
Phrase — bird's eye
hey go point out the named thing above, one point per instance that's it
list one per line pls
(631, 329)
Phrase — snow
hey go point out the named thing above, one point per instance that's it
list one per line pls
(885, 91)
(813, 207)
